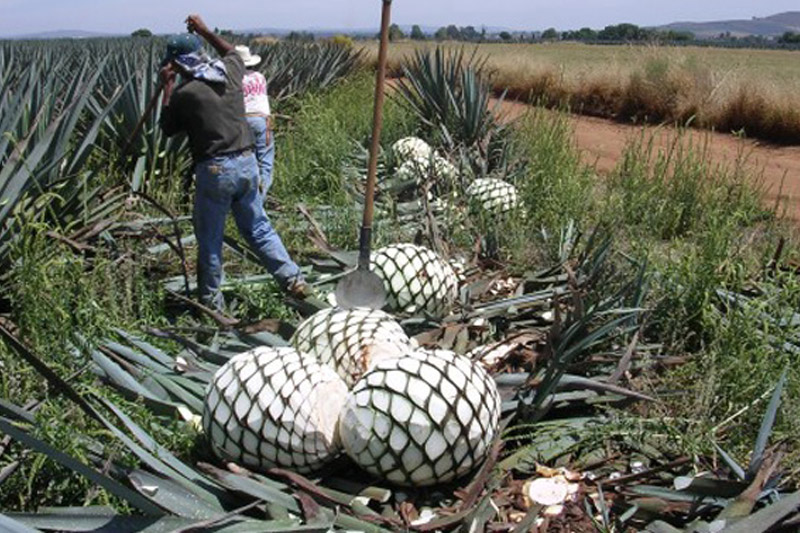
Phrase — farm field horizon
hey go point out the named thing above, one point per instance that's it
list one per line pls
(744, 90)
(575, 59)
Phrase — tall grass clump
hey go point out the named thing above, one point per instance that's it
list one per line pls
(58, 301)
(749, 341)
(689, 217)
(666, 88)
(759, 111)
(670, 192)
(55, 293)
(312, 146)
(558, 187)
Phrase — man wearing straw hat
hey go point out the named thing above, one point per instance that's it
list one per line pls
(256, 108)
(209, 106)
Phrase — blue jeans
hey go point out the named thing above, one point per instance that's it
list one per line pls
(265, 152)
(230, 183)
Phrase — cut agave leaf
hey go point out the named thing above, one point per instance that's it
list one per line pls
(764, 520)
(765, 431)
(53, 520)
(109, 484)
(170, 495)
(246, 485)
(11, 525)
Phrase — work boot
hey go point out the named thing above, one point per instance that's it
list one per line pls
(299, 288)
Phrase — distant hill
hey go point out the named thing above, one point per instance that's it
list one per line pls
(771, 26)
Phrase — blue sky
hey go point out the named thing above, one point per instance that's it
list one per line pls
(32, 16)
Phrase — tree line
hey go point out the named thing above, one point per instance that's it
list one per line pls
(615, 32)
(790, 37)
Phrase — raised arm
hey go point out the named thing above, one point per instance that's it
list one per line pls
(195, 24)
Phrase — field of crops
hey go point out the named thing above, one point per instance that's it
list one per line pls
(716, 88)
(640, 328)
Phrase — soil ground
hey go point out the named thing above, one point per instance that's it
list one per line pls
(601, 143)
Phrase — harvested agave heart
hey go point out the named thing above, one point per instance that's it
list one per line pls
(411, 148)
(493, 196)
(350, 340)
(274, 407)
(436, 169)
(415, 169)
(417, 281)
(422, 419)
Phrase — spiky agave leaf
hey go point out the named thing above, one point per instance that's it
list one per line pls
(274, 407)
(416, 279)
(422, 419)
(350, 340)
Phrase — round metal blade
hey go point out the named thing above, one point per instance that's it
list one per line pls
(361, 288)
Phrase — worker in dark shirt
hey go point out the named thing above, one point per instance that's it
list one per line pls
(208, 105)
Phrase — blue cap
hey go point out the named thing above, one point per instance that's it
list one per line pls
(180, 44)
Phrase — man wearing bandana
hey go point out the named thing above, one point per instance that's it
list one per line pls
(208, 105)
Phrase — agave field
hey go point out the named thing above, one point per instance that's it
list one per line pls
(560, 351)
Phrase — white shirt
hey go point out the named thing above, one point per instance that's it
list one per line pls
(256, 101)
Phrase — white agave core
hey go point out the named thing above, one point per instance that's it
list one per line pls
(422, 419)
(415, 169)
(416, 279)
(494, 196)
(411, 148)
(419, 169)
(350, 340)
(274, 407)
(444, 168)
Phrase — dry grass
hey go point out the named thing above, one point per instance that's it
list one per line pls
(740, 90)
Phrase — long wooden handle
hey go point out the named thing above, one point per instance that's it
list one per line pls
(149, 109)
(377, 123)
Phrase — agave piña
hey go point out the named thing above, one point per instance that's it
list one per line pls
(416, 279)
(411, 148)
(422, 419)
(350, 340)
(274, 407)
(493, 196)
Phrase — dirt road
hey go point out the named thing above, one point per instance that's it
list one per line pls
(601, 143)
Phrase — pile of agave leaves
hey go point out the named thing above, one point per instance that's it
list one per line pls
(563, 345)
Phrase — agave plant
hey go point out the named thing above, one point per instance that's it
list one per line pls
(416, 279)
(450, 94)
(274, 407)
(146, 154)
(42, 167)
(293, 68)
(493, 196)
